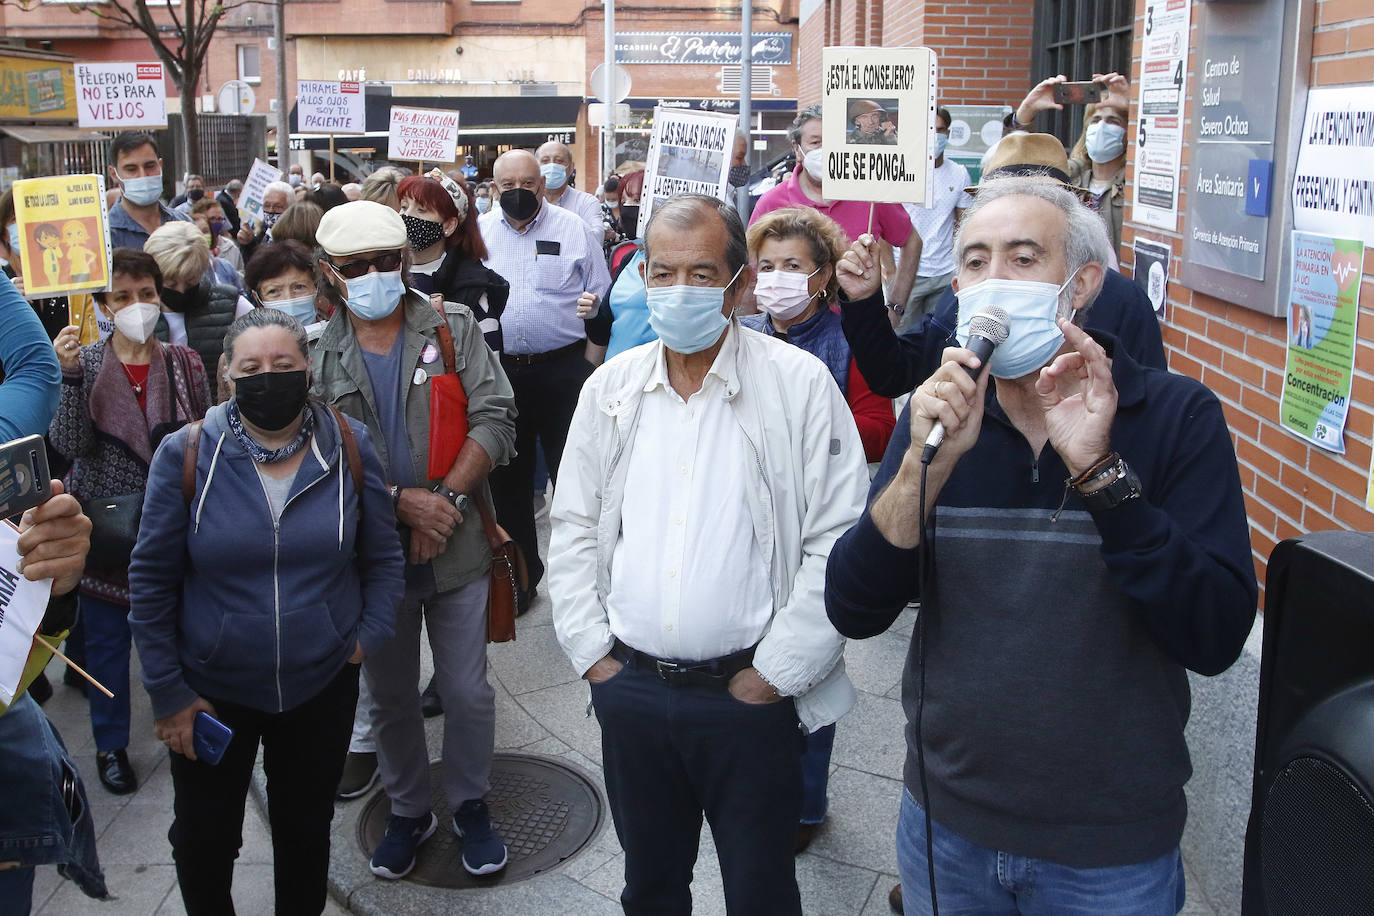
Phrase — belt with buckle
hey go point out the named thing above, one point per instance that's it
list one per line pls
(715, 672)
(529, 359)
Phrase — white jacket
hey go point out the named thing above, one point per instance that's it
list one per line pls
(812, 485)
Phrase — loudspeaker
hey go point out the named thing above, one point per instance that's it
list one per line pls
(1309, 846)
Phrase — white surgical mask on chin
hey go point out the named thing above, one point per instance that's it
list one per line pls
(137, 320)
(813, 163)
(1034, 335)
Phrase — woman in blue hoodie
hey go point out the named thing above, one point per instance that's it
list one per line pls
(256, 591)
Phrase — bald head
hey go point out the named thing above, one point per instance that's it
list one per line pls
(553, 151)
(516, 166)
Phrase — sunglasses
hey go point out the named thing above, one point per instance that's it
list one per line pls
(385, 263)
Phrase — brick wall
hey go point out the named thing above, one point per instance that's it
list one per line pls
(1290, 487)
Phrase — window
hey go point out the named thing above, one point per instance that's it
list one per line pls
(250, 70)
(1079, 38)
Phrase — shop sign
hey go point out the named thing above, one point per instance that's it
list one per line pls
(700, 48)
(36, 90)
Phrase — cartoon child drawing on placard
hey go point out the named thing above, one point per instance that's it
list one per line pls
(76, 237)
(50, 242)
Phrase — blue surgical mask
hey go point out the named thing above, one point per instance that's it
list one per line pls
(301, 308)
(1034, 335)
(483, 204)
(941, 141)
(1105, 142)
(375, 295)
(143, 190)
(555, 175)
(15, 241)
(688, 319)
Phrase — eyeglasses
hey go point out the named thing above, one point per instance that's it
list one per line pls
(385, 263)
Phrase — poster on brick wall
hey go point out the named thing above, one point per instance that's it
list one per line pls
(1159, 122)
(1333, 189)
(1323, 310)
(689, 153)
(878, 124)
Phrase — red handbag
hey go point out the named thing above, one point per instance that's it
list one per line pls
(448, 410)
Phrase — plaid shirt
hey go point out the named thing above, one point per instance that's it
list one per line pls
(549, 263)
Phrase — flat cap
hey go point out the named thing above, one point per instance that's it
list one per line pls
(360, 225)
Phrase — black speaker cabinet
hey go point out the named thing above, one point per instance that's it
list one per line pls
(1309, 847)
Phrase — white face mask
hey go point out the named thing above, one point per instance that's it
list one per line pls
(1034, 335)
(784, 294)
(301, 308)
(1105, 142)
(813, 163)
(137, 320)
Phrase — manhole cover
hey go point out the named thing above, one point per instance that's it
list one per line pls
(546, 810)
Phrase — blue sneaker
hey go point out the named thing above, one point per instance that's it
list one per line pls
(395, 854)
(484, 852)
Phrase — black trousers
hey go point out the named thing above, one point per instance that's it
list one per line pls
(546, 396)
(304, 750)
(674, 754)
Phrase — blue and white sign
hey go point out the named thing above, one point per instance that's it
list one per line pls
(700, 48)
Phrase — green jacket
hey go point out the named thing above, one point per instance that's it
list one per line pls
(1113, 202)
(341, 379)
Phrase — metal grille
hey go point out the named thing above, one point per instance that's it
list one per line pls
(226, 148)
(1317, 842)
(1079, 38)
(762, 80)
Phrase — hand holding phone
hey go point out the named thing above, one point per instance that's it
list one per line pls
(210, 738)
(23, 475)
(1087, 92)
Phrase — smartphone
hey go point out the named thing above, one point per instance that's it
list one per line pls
(23, 475)
(1085, 93)
(210, 737)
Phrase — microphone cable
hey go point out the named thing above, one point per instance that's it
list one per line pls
(921, 585)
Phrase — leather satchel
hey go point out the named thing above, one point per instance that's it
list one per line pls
(509, 576)
(114, 529)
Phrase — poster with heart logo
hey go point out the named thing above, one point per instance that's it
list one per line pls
(1323, 308)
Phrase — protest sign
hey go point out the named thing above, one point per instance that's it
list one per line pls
(22, 605)
(1323, 307)
(121, 95)
(689, 153)
(1333, 190)
(64, 244)
(423, 134)
(878, 125)
(259, 177)
(330, 107)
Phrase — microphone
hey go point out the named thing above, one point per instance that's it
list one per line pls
(987, 330)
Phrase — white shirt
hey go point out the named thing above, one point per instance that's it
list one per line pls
(688, 580)
(935, 224)
(583, 205)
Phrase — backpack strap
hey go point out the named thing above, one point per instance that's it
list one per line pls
(620, 257)
(445, 335)
(188, 465)
(350, 444)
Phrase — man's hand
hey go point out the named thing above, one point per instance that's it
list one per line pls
(357, 657)
(605, 669)
(428, 512)
(53, 541)
(748, 687)
(857, 271)
(586, 305)
(424, 548)
(1079, 399)
(1040, 98)
(177, 730)
(951, 397)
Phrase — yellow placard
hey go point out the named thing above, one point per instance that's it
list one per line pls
(33, 89)
(63, 236)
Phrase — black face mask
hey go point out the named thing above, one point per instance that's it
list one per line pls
(271, 400)
(195, 194)
(739, 175)
(422, 233)
(179, 301)
(629, 219)
(519, 203)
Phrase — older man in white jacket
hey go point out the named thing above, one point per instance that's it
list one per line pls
(706, 476)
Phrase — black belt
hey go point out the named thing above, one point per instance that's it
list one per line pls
(715, 672)
(529, 359)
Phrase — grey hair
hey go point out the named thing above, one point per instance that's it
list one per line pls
(1085, 237)
(809, 113)
(381, 185)
(264, 318)
(684, 212)
(278, 186)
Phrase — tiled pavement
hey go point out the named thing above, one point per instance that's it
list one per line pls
(541, 708)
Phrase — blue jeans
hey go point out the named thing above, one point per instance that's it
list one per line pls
(107, 659)
(972, 879)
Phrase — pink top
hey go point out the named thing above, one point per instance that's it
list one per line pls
(890, 221)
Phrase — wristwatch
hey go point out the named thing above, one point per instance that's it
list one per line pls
(461, 501)
(896, 308)
(1123, 485)
(395, 496)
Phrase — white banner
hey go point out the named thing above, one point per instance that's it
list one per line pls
(329, 108)
(22, 605)
(1159, 124)
(121, 95)
(259, 177)
(878, 129)
(423, 134)
(1333, 187)
(689, 153)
